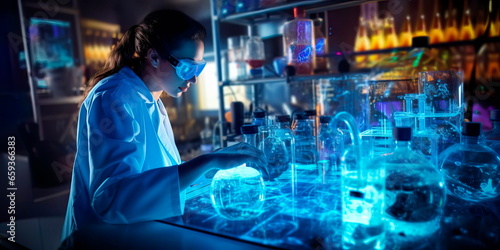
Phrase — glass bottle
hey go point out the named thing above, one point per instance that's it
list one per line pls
(451, 33)
(363, 191)
(436, 33)
(206, 137)
(471, 169)
(415, 191)
(277, 155)
(305, 146)
(321, 47)
(298, 42)
(250, 133)
(391, 38)
(361, 43)
(492, 137)
(467, 30)
(377, 40)
(421, 27)
(259, 118)
(406, 34)
(495, 25)
(284, 132)
(330, 145)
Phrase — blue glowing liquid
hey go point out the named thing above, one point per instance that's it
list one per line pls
(238, 193)
(362, 212)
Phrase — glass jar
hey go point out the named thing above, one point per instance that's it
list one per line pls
(471, 169)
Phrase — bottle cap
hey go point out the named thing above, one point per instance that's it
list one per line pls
(249, 129)
(311, 112)
(495, 115)
(259, 114)
(401, 133)
(299, 12)
(471, 128)
(420, 42)
(301, 116)
(325, 119)
(283, 118)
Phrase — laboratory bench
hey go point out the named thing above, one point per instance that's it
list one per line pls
(309, 219)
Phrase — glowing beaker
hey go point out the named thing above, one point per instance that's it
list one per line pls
(238, 193)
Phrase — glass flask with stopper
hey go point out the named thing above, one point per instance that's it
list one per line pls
(470, 168)
(415, 191)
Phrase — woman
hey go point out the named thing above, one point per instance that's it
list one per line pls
(127, 167)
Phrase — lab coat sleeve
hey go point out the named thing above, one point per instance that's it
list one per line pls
(120, 191)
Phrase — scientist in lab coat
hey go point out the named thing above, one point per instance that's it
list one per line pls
(127, 167)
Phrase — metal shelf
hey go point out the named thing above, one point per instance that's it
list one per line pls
(274, 80)
(250, 16)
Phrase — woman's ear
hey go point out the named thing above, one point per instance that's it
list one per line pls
(153, 57)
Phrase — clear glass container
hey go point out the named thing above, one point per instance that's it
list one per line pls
(238, 193)
(415, 191)
(330, 146)
(298, 43)
(305, 145)
(236, 65)
(277, 155)
(259, 118)
(492, 137)
(254, 56)
(206, 137)
(470, 168)
(362, 189)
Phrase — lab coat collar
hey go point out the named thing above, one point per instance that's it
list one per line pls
(137, 84)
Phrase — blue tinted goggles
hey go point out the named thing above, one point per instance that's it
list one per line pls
(186, 68)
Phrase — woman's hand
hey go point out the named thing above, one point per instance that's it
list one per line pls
(238, 154)
(223, 158)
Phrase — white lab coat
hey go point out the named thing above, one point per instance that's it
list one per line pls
(125, 169)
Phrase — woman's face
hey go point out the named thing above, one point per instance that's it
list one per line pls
(164, 78)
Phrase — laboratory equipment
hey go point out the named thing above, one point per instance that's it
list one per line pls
(305, 145)
(206, 137)
(362, 193)
(471, 169)
(330, 145)
(238, 193)
(254, 56)
(277, 155)
(492, 137)
(236, 64)
(259, 118)
(415, 191)
(285, 133)
(298, 43)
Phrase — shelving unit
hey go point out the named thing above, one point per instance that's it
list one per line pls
(257, 17)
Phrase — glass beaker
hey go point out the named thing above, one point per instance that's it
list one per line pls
(238, 193)
(255, 57)
(236, 64)
(441, 110)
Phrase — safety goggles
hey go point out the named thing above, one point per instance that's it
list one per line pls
(186, 68)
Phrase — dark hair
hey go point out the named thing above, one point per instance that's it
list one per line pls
(162, 30)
